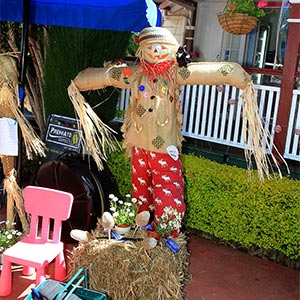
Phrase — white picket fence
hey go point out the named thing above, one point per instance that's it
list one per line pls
(292, 145)
(215, 115)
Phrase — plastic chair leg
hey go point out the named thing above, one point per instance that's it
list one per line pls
(6, 279)
(60, 268)
(40, 275)
(27, 271)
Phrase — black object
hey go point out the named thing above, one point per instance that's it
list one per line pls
(84, 183)
(182, 57)
(62, 135)
(2, 196)
(65, 169)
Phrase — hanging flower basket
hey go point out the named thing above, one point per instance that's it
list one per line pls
(237, 23)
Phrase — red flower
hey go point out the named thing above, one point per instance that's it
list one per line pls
(232, 7)
(262, 4)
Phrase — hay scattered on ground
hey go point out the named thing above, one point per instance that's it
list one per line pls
(129, 271)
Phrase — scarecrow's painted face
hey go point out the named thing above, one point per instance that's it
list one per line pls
(156, 52)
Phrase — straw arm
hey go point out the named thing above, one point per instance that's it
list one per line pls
(213, 73)
(99, 78)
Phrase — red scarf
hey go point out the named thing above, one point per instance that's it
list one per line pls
(156, 69)
(153, 70)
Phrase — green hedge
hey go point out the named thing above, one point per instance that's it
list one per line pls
(119, 166)
(222, 201)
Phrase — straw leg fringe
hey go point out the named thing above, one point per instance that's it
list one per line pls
(15, 198)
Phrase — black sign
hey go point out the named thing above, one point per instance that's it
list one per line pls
(63, 134)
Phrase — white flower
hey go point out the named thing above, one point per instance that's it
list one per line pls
(170, 220)
(168, 209)
(9, 236)
(134, 200)
(123, 210)
(111, 196)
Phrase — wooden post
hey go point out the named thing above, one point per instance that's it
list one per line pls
(288, 80)
(8, 163)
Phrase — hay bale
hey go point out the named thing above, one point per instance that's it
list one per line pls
(129, 271)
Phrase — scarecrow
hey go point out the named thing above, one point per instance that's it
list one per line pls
(152, 127)
(10, 118)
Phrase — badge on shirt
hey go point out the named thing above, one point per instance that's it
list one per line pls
(173, 152)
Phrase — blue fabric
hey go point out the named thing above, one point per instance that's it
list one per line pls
(21, 93)
(122, 15)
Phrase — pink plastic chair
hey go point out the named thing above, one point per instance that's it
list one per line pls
(47, 209)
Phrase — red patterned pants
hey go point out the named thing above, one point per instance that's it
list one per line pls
(157, 182)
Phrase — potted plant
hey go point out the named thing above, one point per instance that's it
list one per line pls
(169, 221)
(241, 16)
(123, 212)
(8, 236)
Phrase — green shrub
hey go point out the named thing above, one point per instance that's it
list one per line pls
(120, 168)
(222, 201)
